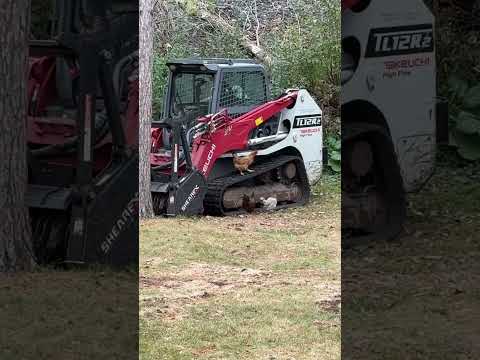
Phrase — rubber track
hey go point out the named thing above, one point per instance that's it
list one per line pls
(213, 202)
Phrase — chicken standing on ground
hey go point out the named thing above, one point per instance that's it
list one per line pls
(241, 163)
(269, 204)
(249, 203)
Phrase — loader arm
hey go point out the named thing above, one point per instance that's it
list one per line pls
(225, 134)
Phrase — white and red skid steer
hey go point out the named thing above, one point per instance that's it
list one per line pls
(217, 111)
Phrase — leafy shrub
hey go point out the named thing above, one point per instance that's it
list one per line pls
(333, 145)
(309, 56)
(464, 118)
(302, 37)
(159, 80)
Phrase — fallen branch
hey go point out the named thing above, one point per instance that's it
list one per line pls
(217, 21)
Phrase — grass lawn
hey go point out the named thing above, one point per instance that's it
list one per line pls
(259, 286)
(69, 315)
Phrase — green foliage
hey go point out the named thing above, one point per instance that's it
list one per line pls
(307, 54)
(464, 117)
(303, 41)
(159, 80)
(333, 145)
(191, 7)
(456, 57)
(304, 45)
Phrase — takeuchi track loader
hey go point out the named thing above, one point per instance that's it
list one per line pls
(222, 139)
(82, 135)
(391, 119)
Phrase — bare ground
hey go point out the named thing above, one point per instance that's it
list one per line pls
(201, 281)
(418, 297)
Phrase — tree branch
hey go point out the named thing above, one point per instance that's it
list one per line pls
(251, 46)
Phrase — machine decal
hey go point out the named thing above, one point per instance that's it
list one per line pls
(307, 121)
(128, 216)
(404, 67)
(259, 121)
(228, 130)
(209, 159)
(190, 198)
(309, 132)
(400, 40)
(408, 63)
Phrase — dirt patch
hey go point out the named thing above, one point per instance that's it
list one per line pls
(154, 281)
(173, 293)
(205, 350)
(202, 280)
(192, 285)
(328, 297)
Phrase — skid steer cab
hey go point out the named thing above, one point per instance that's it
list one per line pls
(224, 146)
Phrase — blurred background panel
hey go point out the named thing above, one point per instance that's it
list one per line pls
(72, 248)
(410, 164)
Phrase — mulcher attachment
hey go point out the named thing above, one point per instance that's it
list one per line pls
(182, 198)
(174, 194)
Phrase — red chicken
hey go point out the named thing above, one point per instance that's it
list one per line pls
(242, 162)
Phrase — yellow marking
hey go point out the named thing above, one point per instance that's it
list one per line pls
(259, 121)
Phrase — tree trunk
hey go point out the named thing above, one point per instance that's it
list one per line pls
(16, 248)
(145, 111)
